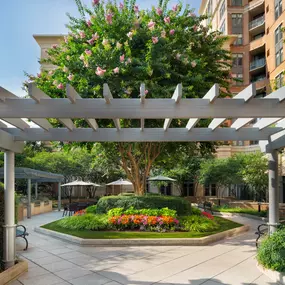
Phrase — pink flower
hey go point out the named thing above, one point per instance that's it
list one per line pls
(136, 8)
(39, 75)
(90, 42)
(163, 34)
(118, 45)
(116, 70)
(81, 57)
(122, 58)
(82, 34)
(60, 86)
(88, 22)
(86, 63)
(151, 25)
(191, 15)
(130, 35)
(155, 40)
(54, 46)
(158, 11)
(50, 72)
(195, 28)
(145, 92)
(121, 6)
(70, 77)
(95, 36)
(193, 63)
(167, 20)
(175, 8)
(66, 39)
(171, 32)
(88, 52)
(65, 69)
(95, 2)
(105, 42)
(109, 18)
(100, 71)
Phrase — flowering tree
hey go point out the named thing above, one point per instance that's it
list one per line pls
(125, 46)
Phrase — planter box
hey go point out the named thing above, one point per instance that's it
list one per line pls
(41, 208)
(13, 272)
(278, 277)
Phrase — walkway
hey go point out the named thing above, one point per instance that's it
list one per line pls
(52, 261)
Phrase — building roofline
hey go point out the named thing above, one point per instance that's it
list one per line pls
(202, 6)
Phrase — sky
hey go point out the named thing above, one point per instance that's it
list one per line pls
(21, 19)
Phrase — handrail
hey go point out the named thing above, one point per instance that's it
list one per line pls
(256, 22)
(257, 63)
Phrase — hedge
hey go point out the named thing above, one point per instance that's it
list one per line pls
(180, 205)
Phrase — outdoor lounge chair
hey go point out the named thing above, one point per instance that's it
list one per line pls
(21, 231)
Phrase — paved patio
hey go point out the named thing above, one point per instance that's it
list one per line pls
(53, 261)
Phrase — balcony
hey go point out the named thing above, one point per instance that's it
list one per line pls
(260, 81)
(257, 25)
(257, 66)
(257, 44)
(255, 6)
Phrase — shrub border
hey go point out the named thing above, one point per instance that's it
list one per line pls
(276, 276)
(145, 242)
(13, 272)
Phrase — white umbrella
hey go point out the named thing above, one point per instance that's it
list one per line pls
(120, 182)
(161, 178)
(80, 183)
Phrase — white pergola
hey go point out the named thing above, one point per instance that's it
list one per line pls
(242, 109)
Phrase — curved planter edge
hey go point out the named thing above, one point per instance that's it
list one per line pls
(145, 242)
(278, 277)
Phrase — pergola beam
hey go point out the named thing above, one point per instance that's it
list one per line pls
(263, 123)
(19, 123)
(7, 142)
(149, 134)
(239, 123)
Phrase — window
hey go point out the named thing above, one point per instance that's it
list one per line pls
(236, 2)
(237, 59)
(210, 190)
(278, 8)
(279, 80)
(240, 143)
(222, 9)
(238, 41)
(223, 28)
(236, 23)
(258, 36)
(209, 11)
(253, 142)
(188, 188)
(237, 79)
(278, 45)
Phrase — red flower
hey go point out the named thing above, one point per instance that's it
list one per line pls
(208, 215)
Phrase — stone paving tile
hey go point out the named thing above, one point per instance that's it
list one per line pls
(46, 279)
(82, 260)
(36, 271)
(16, 282)
(73, 254)
(59, 251)
(58, 266)
(91, 279)
(70, 274)
(46, 260)
(101, 265)
(263, 280)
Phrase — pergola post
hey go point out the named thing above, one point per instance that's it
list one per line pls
(59, 196)
(273, 190)
(9, 209)
(29, 214)
(36, 190)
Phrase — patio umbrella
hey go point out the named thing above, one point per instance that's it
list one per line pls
(120, 182)
(78, 183)
(161, 178)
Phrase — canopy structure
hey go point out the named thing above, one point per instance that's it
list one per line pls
(161, 178)
(80, 183)
(243, 109)
(120, 182)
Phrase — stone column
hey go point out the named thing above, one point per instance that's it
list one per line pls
(59, 196)
(29, 214)
(9, 209)
(36, 190)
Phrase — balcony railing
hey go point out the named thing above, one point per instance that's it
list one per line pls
(258, 78)
(257, 22)
(257, 63)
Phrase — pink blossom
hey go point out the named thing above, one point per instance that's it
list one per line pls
(60, 86)
(195, 28)
(191, 15)
(116, 70)
(39, 75)
(193, 63)
(50, 72)
(155, 40)
(88, 22)
(171, 32)
(95, 36)
(145, 92)
(66, 39)
(82, 34)
(122, 58)
(151, 25)
(81, 57)
(109, 18)
(158, 11)
(88, 52)
(68, 57)
(95, 2)
(105, 42)
(86, 63)
(130, 35)
(65, 69)
(175, 8)
(136, 8)
(54, 46)
(163, 34)
(167, 20)
(121, 6)
(90, 42)
(118, 45)
(100, 71)
(70, 77)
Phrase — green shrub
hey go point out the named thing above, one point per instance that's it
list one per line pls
(147, 212)
(91, 209)
(197, 224)
(85, 222)
(180, 205)
(195, 211)
(271, 253)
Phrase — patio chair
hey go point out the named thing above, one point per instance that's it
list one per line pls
(68, 209)
(21, 231)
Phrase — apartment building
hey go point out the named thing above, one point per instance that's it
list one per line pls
(257, 50)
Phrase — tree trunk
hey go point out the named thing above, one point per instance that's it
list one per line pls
(136, 160)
